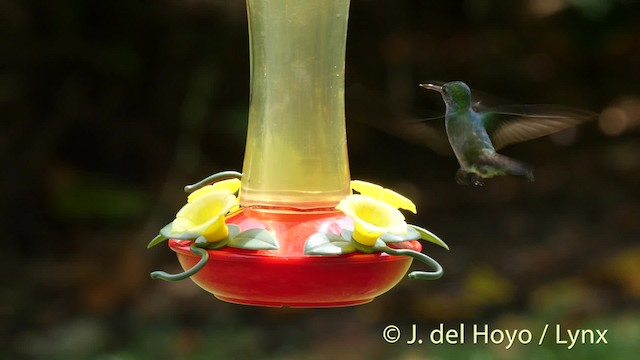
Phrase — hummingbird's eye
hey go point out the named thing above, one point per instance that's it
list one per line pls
(444, 90)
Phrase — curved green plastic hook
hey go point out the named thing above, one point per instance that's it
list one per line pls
(421, 275)
(187, 273)
(211, 179)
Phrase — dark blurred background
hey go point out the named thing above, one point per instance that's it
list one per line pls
(109, 108)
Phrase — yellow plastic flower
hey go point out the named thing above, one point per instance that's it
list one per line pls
(205, 215)
(371, 218)
(231, 185)
(385, 195)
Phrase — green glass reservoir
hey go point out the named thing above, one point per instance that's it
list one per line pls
(296, 150)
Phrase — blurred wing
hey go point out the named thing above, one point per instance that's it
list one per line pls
(365, 106)
(515, 123)
(429, 134)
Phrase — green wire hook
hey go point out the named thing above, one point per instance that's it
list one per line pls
(211, 179)
(187, 273)
(420, 275)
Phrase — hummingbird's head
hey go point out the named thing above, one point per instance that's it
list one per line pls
(456, 94)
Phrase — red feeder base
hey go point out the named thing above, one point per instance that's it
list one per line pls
(287, 277)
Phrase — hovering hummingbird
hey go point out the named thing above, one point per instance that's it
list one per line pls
(475, 135)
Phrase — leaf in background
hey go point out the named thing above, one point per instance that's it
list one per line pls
(93, 197)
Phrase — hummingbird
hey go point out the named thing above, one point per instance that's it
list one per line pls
(475, 135)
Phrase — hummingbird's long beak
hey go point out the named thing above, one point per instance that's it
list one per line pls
(434, 87)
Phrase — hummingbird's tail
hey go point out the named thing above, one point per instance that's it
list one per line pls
(497, 164)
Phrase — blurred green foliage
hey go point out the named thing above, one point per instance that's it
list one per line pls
(109, 108)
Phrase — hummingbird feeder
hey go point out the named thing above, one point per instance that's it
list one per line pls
(289, 230)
